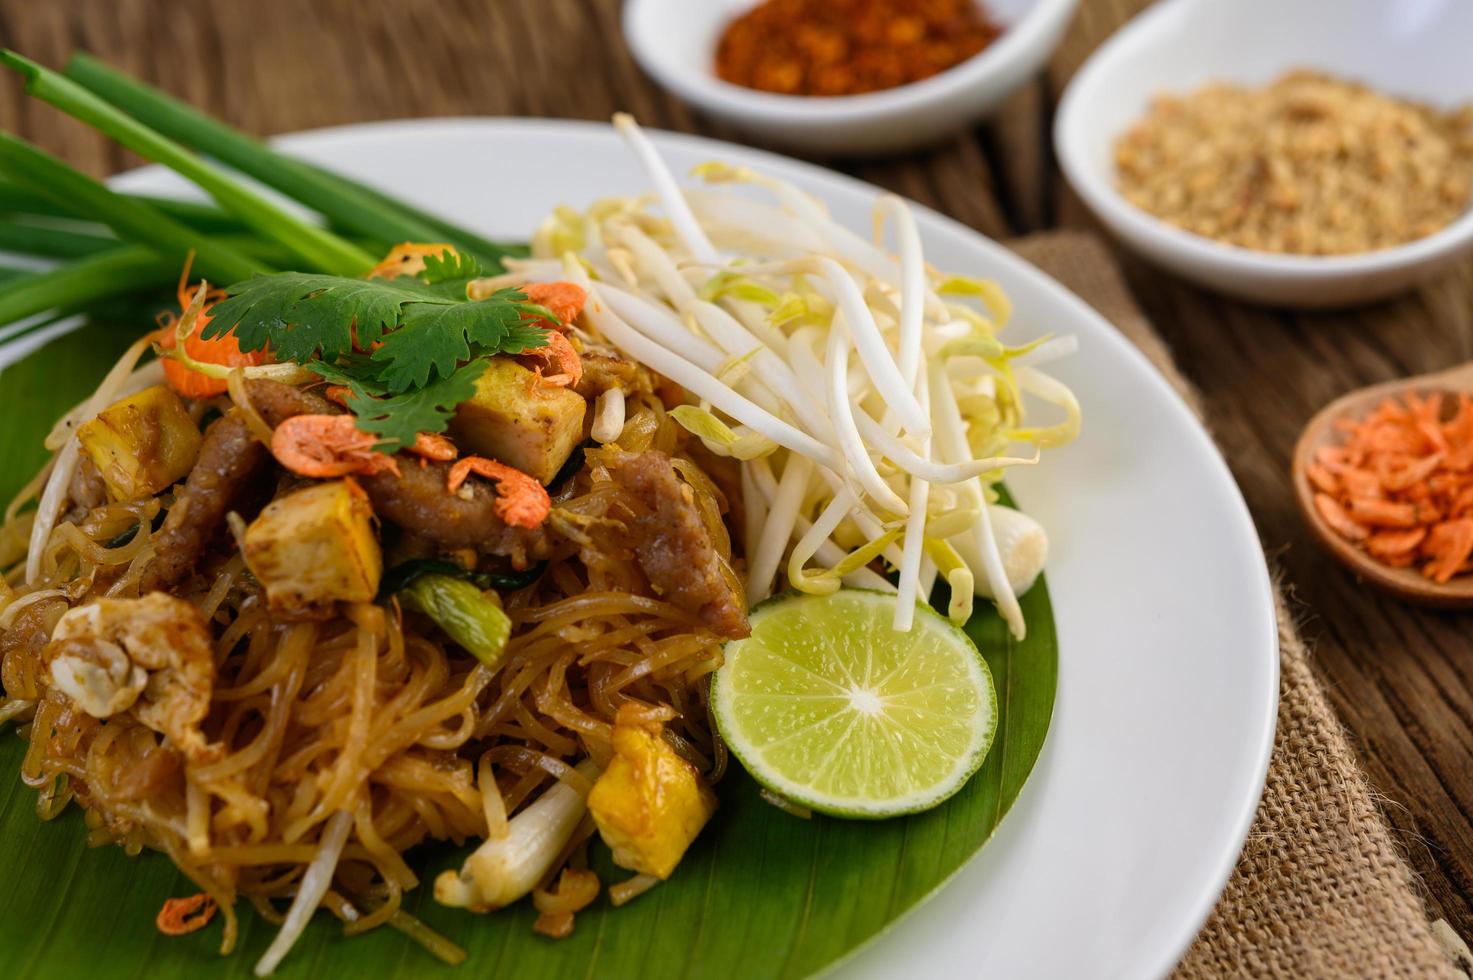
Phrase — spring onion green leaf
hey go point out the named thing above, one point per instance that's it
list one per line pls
(202, 217)
(404, 574)
(467, 241)
(317, 246)
(76, 285)
(132, 219)
(155, 524)
(51, 242)
(511, 581)
(346, 204)
(123, 538)
(426, 328)
(464, 612)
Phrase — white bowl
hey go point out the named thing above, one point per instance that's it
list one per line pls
(1416, 49)
(675, 41)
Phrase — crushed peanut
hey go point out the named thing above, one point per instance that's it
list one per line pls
(1310, 165)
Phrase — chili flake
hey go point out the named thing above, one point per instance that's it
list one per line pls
(846, 47)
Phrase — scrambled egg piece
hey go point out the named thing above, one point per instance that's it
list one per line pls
(649, 803)
(152, 655)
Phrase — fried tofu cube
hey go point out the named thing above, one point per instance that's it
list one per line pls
(315, 546)
(649, 803)
(141, 444)
(517, 421)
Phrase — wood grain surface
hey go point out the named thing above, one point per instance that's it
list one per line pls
(1400, 678)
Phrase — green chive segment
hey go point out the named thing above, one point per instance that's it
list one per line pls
(346, 203)
(317, 246)
(133, 220)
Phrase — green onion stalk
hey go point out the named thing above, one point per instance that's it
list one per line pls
(347, 204)
(319, 248)
(77, 285)
(207, 218)
(133, 220)
(44, 241)
(489, 252)
(468, 616)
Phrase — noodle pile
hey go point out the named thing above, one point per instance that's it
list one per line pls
(346, 742)
(324, 750)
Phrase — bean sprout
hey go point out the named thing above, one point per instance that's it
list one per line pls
(866, 397)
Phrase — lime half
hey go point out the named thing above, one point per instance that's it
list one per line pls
(828, 706)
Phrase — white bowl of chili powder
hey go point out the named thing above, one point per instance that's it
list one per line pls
(1308, 71)
(845, 76)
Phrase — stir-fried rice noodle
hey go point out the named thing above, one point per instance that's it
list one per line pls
(842, 411)
(370, 723)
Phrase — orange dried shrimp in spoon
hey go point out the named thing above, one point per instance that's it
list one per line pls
(1401, 485)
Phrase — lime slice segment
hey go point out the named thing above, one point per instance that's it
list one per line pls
(828, 706)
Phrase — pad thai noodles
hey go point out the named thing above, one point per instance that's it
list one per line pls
(272, 615)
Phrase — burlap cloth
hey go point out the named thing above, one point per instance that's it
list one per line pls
(1320, 890)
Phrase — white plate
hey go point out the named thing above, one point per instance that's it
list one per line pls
(1168, 672)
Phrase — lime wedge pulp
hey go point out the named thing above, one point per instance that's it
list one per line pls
(826, 705)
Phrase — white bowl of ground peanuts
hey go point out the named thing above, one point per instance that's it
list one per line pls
(1304, 153)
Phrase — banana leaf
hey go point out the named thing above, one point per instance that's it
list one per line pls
(760, 894)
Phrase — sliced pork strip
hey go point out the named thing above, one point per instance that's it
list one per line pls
(417, 501)
(674, 549)
(232, 461)
(87, 490)
(277, 402)
(231, 464)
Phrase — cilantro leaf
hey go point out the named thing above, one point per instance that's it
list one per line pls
(448, 266)
(427, 328)
(436, 337)
(299, 314)
(430, 340)
(354, 371)
(397, 419)
(523, 336)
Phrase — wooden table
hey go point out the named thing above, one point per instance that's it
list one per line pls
(1401, 679)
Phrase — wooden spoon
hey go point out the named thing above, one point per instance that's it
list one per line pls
(1407, 584)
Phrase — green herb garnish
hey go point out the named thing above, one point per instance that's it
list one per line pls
(398, 418)
(431, 339)
(347, 205)
(314, 245)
